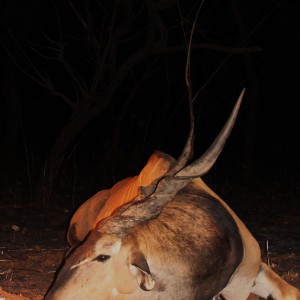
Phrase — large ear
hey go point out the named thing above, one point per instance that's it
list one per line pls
(140, 270)
(83, 220)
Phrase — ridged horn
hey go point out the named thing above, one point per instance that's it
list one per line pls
(202, 165)
(167, 187)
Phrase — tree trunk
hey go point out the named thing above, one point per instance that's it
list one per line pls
(75, 126)
(11, 121)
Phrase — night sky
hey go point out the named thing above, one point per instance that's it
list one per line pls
(103, 84)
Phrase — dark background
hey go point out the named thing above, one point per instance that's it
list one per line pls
(89, 89)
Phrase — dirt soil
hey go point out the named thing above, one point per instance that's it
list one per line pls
(32, 244)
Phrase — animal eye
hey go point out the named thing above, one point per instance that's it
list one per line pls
(102, 258)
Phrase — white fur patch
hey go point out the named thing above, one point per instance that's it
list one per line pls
(116, 248)
(133, 270)
(114, 292)
(79, 264)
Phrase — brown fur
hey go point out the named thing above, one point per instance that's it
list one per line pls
(194, 240)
